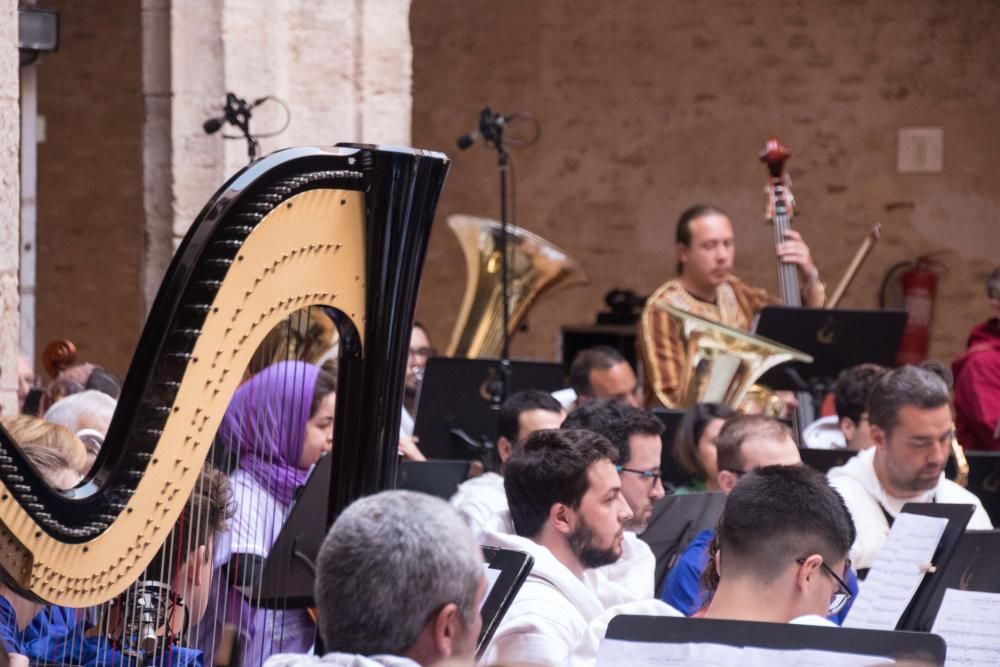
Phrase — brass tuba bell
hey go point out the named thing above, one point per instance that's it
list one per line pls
(723, 363)
(535, 267)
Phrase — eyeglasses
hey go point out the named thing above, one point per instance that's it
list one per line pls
(653, 475)
(425, 352)
(840, 598)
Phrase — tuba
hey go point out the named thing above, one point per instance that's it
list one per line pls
(723, 363)
(535, 267)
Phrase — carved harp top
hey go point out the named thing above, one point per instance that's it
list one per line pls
(344, 229)
(780, 206)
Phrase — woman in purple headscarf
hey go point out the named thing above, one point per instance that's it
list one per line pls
(278, 425)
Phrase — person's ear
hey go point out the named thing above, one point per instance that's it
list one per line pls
(809, 568)
(847, 427)
(562, 518)
(447, 627)
(195, 560)
(504, 448)
(682, 254)
(878, 436)
(727, 481)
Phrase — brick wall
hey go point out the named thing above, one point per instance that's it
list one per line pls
(648, 107)
(90, 187)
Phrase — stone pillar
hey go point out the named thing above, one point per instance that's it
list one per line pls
(343, 67)
(10, 194)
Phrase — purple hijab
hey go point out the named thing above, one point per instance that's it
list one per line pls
(266, 424)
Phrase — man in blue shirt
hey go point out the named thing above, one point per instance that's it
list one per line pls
(745, 442)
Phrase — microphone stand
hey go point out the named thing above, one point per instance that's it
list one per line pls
(492, 132)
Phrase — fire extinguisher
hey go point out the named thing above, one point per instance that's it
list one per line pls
(916, 290)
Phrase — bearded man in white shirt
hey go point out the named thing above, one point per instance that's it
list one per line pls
(912, 427)
(569, 513)
(635, 434)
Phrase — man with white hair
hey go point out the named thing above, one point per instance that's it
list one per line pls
(399, 583)
(87, 414)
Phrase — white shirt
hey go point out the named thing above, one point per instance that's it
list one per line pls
(865, 498)
(255, 525)
(480, 501)
(549, 615)
(406, 423)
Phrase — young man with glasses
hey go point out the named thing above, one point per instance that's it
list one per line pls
(783, 541)
(635, 435)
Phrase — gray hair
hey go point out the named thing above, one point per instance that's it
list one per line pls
(906, 385)
(389, 563)
(69, 411)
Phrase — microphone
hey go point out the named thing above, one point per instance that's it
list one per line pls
(491, 124)
(236, 112)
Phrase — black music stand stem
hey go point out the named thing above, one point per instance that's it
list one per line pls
(492, 132)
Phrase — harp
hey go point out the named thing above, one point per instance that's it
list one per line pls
(341, 231)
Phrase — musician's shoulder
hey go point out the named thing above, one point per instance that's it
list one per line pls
(665, 291)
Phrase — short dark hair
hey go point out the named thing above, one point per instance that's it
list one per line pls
(684, 224)
(599, 356)
(689, 432)
(550, 467)
(616, 421)
(508, 419)
(776, 514)
(737, 430)
(326, 384)
(993, 284)
(906, 385)
(853, 386)
(204, 516)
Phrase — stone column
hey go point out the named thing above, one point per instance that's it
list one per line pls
(343, 67)
(10, 193)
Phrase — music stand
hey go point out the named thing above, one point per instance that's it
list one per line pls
(672, 473)
(958, 516)
(973, 566)
(289, 572)
(836, 339)
(433, 476)
(984, 480)
(779, 636)
(675, 521)
(456, 418)
(508, 570)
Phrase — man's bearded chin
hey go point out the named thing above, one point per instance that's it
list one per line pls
(581, 541)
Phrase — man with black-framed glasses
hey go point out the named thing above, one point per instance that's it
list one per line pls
(783, 541)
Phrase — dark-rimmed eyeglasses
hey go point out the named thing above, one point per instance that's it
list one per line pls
(653, 474)
(840, 598)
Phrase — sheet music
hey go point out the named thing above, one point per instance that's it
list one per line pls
(897, 572)
(969, 622)
(616, 652)
(491, 581)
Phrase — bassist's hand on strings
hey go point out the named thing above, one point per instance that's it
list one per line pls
(795, 251)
